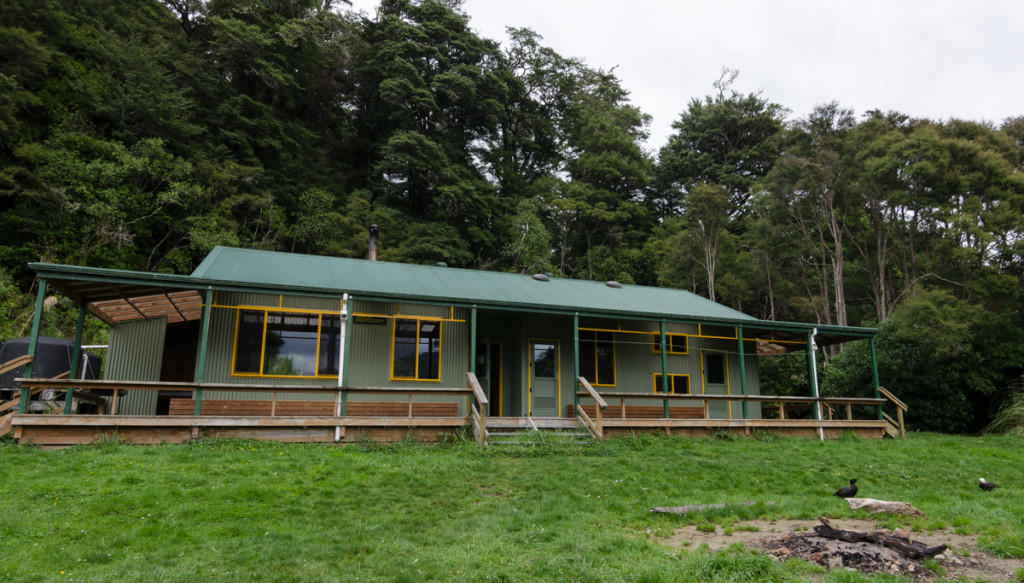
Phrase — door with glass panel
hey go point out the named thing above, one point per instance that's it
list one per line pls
(544, 382)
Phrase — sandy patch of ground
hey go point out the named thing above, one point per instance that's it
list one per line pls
(966, 560)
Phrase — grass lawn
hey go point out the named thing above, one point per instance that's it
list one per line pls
(254, 511)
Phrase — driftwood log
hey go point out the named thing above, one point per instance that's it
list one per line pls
(895, 541)
(883, 506)
(702, 507)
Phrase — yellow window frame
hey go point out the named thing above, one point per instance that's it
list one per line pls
(440, 348)
(655, 378)
(656, 339)
(263, 340)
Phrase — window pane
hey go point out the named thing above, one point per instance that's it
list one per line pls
(544, 361)
(405, 349)
(677, 343)
(588, 356)
(430, 351)
(249, 344)
(290, 345)
(605, 358)
(714, 368)
(681, 384)
(330, 343)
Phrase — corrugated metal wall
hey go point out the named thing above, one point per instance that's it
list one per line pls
(223, 318)
(136, 354)
(636, 362)
(369, 363)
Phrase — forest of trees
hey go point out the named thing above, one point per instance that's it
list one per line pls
(140, 134)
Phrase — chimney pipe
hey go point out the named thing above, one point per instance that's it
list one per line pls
(372, 253)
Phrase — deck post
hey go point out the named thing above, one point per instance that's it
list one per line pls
(204, 341)
(874, 373)
(664, 368)
(812, 365)
(472, 355)
(576, 362)
(342, 341)
(76, 358)
(743, 371)
(33, 343)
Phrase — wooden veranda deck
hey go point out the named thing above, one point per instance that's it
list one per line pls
(342, 420)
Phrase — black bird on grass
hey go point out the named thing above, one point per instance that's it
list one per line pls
(847, 491)
(986, 485)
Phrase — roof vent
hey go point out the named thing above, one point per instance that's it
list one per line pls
(440, 264)
(541, 276)
(613, 283)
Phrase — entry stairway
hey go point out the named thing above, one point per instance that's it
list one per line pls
(531, 431)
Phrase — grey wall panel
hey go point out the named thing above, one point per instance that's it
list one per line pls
(136, 354)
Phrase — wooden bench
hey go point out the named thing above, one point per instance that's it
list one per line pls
(243, 408)
(622, 411)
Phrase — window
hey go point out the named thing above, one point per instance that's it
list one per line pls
(678, 384)
(714, 368)
(288, 344)
(677, 343)
(416, 350)
(597, 357)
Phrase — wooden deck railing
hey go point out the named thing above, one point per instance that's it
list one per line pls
(781, 400)
(596, 426)
(478, 410)
(340, 393)
(901, 408)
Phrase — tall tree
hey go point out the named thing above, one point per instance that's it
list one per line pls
(728, 139)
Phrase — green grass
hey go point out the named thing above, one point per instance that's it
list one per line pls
(254, 511)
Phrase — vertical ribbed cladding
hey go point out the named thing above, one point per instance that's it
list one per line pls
(136, 354)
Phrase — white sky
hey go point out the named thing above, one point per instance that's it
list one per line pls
(936, 59)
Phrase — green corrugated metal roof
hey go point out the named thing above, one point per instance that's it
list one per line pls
(381, 279)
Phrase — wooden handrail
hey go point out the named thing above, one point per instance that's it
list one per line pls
(15, 363)
(892, 398)
(590, 392)
(754, 398)
(478, 391)
(593, 427)
(596, 427)
(478, 410)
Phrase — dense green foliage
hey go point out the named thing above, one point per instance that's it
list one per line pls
(138, 135)
(254, 511)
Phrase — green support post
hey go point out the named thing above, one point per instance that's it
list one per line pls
(874, 374)
(664, 367)
(576, 362)
(33, 343)
(76, 359)
(743, 371)
(204, 338)
(472, 350)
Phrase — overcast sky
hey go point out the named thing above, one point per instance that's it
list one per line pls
(936, 59)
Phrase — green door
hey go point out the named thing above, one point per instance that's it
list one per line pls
(716, 382)
(544, 378)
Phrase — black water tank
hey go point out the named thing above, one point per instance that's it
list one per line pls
(53, 357)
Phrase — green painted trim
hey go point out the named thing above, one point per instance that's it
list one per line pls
(76, 358)
(204, 341)
(33, 342)
(743, 370)
(576, 362)
(472, 351)
(664, 365)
